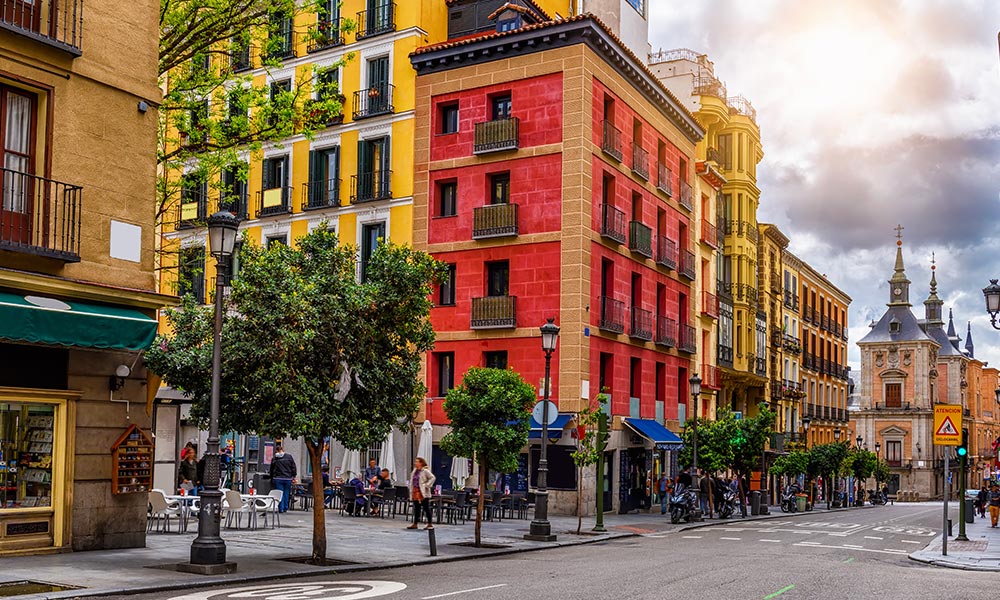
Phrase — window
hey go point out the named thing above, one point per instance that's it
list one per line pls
(277, 87)
(498, 278)
(28, 441)
(273, 240)
(371, 234)
(509, 24)
(445, 372)
(446, 297)
(496, 359)
(449, 118)
(502, 107)
(374, 175)
(191, 273)
(893, 395)
(500, 188)
(194, 198)
(323, 188)
(274, 173)
(379, 100)
(894, 452)
(281, 36)
(327, 84)
(635, 378)
(448, 199)
(234, 189)
(606, 375)
(725, 141)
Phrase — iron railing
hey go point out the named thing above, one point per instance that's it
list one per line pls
(57, 23)
(725, 355)
(791, 300)
(640, 161)
(281, 41)
(612, 315)
(687, 264)
(714, 155)
(742, 106)
(192, 210)
(324, 193)
(709, 234)
(378, 20)
(687, 197)
(611, 140)
(642, 324)
(236, 202)
(368, 187)
(710, 377)
(666, 252)
(612, 223)
(663, 175)
(496, 136)
(666, 332)
(274, 201)
(239, 59)
(760, 364)
(40, 216)
(710, 305)
(640, 239)
(494, 220)
(688, 339)
(374, 101)
(494, 312)
(326, 35)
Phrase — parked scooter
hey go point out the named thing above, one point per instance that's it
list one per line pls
(876, 497)
(727, 506)
(788, 499)
(683, 504)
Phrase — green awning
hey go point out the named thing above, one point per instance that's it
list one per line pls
(40, 320)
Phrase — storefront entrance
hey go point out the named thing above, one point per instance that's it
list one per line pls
(635, 471)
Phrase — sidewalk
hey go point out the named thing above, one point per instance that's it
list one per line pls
(980, 553)
(361, 545)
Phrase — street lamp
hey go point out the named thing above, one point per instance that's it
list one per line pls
(836, 435)
(695, 383)
(541, 529)
(805, 429)
(860, 440)
(208, 550)
(878, 447)
(992, 294)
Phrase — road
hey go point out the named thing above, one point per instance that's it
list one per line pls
(853, 555)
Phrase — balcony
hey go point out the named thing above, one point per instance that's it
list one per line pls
(791, 344)
(369, 187)
(710, 377)
(687, 264)
(725, 355)
(742, 106)
(612, 223)
(192, 211)
(239, 60)
(688, 339)
(709, 234)
(640, 239)
(275, 201)
(713, 155)
(809, 361)
(326, 35)
(40, 216)
(775, 282)
(640, 162)
(320, 194)
(374, 101)
(281, 42)
(710, 305)
(642, 324)
(377, 20)
(612, 315)
(55, 23)
(494, 312)
(494, 220)
(235, 202)
(687, 196)
(611, 141)
(791, 389)
(791, 300)
(706, 84)
(666, 332)
(663, 176)
(496, 136)
(327, 117)
(666, 252)
(760, 365)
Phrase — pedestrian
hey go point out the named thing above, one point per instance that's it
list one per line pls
(283, 474)
(188, 472)
(421, 486)
(684, 479)
(981, 498)
(994, 500)
(703, 483)
(663, 488)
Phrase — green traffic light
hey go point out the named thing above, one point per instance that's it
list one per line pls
(962, 451)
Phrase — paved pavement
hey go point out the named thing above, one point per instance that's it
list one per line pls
(851, 555)
(980, 553)
(362, 545)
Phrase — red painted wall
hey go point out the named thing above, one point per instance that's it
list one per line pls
(675, 387)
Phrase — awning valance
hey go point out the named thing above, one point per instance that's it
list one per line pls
(555, 429)
(41, 320)
(662, 438)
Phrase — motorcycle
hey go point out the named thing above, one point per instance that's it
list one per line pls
(683, 504)
(788, 500)
(876, 497)
(727, 507)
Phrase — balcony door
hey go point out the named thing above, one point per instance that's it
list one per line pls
(498, 278)
(324, 173)
(373, 169)
(378, 85)
(371, 234)
(17, 132)
(502, 107)
(379, 16)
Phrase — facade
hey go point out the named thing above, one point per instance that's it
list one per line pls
(555, 175)
(77, 301)
(783, 346)
(732, 145)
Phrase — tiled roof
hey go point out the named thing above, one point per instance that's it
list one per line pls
(530, 3)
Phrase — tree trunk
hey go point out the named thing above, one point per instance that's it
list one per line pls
(319, 506)
(711, 501)
(579, 500)
(481, 503)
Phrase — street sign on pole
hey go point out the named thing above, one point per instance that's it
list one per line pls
(538, 412)
(947, 424)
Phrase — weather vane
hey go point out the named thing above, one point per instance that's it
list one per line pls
(899, 234)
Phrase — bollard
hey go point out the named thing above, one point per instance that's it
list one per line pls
(949, 528)
(433, 542)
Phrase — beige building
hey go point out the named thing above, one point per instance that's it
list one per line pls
(77, 307)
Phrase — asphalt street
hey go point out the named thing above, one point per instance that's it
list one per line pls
(852, 555)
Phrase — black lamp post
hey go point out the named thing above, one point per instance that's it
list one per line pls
(695, 383)
(857, 495)
(805, 429)
(992, 294)
(860, 440)
(833, 480)
(541, 529)
(208, 550)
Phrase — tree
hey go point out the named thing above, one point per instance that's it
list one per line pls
(792, 464)
(861, 464)
(751, 437)
(882, 473)
(489, 414)
(825, 460)
(588, 449)
(715, 449)
(308, 351)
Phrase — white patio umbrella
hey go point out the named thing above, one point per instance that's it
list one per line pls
(426, 446)
(459, 471)
(351, 464)
(387, 458)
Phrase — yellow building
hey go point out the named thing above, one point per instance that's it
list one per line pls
(784, 348)
(77, 285)
(707, 222)
(731, 144)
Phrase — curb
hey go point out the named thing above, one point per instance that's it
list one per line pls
(946, 562)
(217, 581)
(774, 516)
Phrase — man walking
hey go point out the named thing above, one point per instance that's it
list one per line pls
(703, 484)
(994, 500)
(663, 488)
(283, 473)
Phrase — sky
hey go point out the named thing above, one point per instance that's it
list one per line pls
(873, 113)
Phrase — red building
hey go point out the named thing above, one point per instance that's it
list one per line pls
(552, 173)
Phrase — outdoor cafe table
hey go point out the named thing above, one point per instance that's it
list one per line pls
(185, 503)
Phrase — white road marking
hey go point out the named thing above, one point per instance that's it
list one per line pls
(872, 537)
(807, 544)
(771, 541)
(911, 542)
(478, 589)
(692, 537)
(851, 546)
(319, 590)
(886, 551)
(730, 539)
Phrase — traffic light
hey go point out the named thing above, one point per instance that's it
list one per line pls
(962, 451)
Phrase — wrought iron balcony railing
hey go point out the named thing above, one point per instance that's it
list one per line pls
(611, 141)
(642, 324)
(612, 315)
(710, 377)
(494, 220)
(666, 252)
(374, 101)
(687, 196)
(326, 35)
(494, 312)
(377, 20)
(612, 223)
(710, 305)
(666, 332)
(40, 216)
(640, 161)
(709, 234)
(687, 264)
(274, 201)
(688, 339)
(663, 175)
(56, 23)
(640, 239)
(324, 193)
(496, 136)
(192, 210)
(368, 187)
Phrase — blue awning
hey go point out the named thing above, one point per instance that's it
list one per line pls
(555, 429)
(662, 438)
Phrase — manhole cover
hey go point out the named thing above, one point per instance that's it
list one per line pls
(20, 588)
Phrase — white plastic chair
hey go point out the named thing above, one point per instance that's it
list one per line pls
(161, 511)
(275, 504)
(235, 506)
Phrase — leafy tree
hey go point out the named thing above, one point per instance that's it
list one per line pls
(588, 450)
(489, 414)
(825, 460)
(882, 473)
(861, 464)
(308, 351)
(715, 448)
(751, 437)
(792, 464)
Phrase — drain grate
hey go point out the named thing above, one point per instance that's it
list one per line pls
(21, 588)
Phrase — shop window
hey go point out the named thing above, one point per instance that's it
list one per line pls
(26, 438)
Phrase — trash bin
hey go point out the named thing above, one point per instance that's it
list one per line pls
(800, 503)
(970, 511)
(261, 483)
(755, 503)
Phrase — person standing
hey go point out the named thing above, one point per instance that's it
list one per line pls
(283, 473)
(994, 500)
(421, 486)
(703, 484)
(188, 472)
(981, 501)
(663, 488)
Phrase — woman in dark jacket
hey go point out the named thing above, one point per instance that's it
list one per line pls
(188, 472)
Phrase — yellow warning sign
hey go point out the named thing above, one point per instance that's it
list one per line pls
(947, 424)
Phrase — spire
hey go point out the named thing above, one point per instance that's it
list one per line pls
(899, 285)
(969, 347)
(951, 327)
(933, 304)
